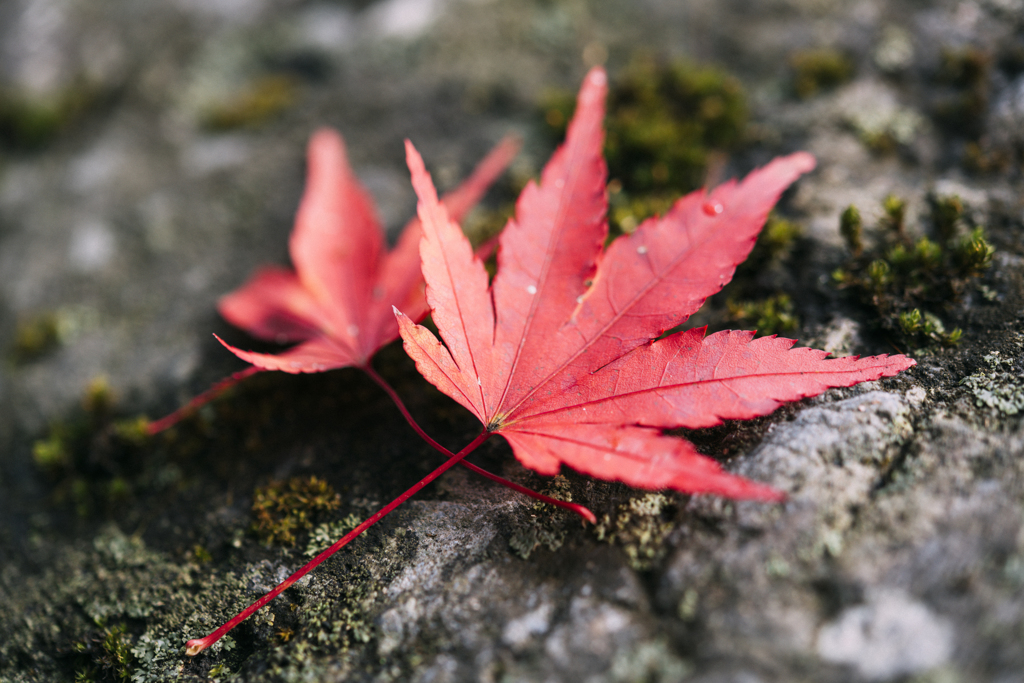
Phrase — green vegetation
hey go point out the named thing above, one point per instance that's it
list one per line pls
(28, 123)
(546, 524)
(745, 302)
(35, 336)
(254, 106)
(998, 385)
(92, 458)
(909, 281)
(773, 315)
(280, 510)
(964, 82)
(109, 654)
(965, 72)
(640, 528)
(325, 535)
(819, 69)
(667, 123)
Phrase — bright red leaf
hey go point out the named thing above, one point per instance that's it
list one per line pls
(561, 353)
(337, 303)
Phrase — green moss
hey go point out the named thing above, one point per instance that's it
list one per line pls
(52, 454)
(666, 122)
(261, 102)
(775, 244)
(851, 227)
(745, 300)
(640, 527)
(281, 510)
(545, 524)
(28, 123)
(35, 336)
(966, 74)
(117, 655)
(200, 555)
(104, 656)
(819, 69)
(625, 212)
(773, 315)
(92, 460)
(910, 282)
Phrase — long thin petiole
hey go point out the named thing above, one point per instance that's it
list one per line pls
(220, 387)
(202, 399)
(389, 390)
(194, 647)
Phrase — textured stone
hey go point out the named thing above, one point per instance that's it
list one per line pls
(899, 553)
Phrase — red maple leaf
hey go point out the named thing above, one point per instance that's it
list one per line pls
(562, 354)
(337, 303)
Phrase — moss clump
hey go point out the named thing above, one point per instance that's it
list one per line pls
(773, 315)
(666, 122)
(640, 528)
(965, 73)
(35, 336)
(28, 123)
(819, 69)
(280, 510)
(92, 459)
(109, 656)
(546, 524)
(262, 101)
(746, 303)
(908, 281)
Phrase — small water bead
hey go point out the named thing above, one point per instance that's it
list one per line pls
(531, 289)
(713, 208)
(642, 249)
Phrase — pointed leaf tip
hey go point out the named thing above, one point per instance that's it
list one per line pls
(422, 183)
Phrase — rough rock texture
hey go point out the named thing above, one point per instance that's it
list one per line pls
(151, 156)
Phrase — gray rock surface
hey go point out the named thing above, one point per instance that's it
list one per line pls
(899, 555)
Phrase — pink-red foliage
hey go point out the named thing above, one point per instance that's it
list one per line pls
(337, 303)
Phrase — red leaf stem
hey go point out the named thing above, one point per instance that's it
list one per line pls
(580, 510)
(168, 421)
(197, 645)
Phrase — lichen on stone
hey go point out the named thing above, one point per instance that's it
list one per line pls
(640, 527)
(998, 387)
(545, 524)
(326, 534)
